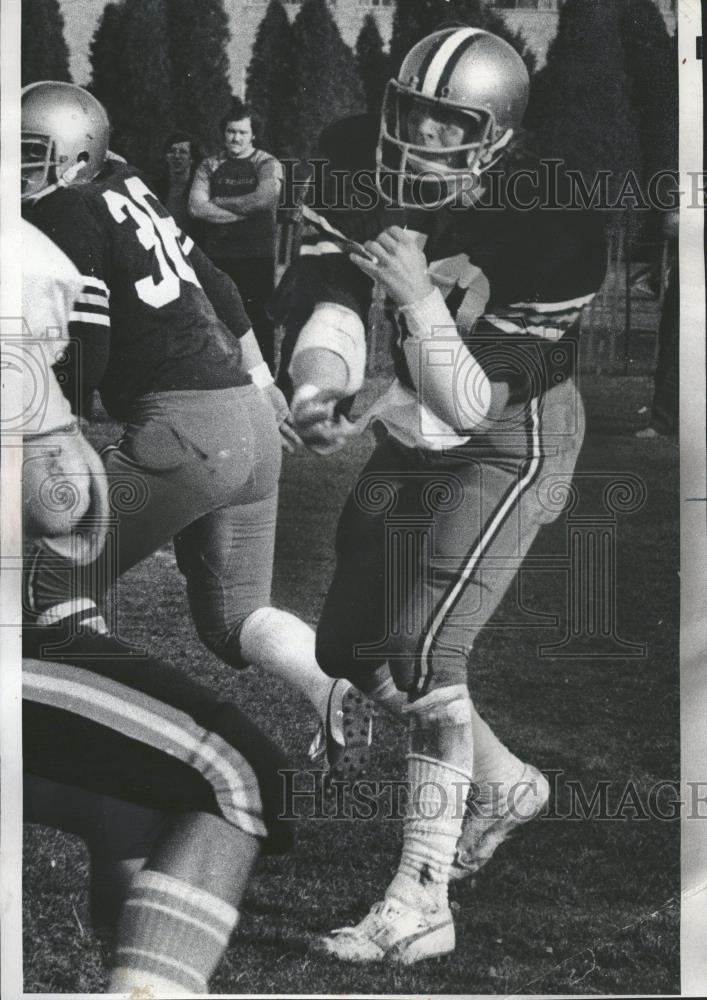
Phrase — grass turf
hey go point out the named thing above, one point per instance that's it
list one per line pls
(571, 905)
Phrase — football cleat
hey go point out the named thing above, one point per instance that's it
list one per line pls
(392, 932)
(481, 835)
(342, 743)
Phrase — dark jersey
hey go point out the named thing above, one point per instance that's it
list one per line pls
(154, 314)
(514, 280)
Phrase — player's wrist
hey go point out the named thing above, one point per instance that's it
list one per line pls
(428, 314)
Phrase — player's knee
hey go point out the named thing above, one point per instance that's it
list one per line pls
(440, 724)
(224, 641)
(333, 655)
(443, 707)
(259, 806)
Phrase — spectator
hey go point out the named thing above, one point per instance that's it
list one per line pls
(665, 409)
(181, 156)
(235, 193)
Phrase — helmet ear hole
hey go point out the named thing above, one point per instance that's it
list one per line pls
(74, 127)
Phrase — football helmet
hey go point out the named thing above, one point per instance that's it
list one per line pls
(64, 137)
(473, 88)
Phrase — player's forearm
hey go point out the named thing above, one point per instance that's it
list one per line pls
(207, 211)
(246, 204)
(449, 380)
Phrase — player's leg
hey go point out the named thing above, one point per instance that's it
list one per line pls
(475, 526)
(182, 907)
(226, 557)
(507, 791)
(217, 789)
(173, 464)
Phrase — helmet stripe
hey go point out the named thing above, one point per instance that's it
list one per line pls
(444, 53)
(452, 63)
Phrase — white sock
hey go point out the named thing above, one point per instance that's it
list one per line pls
(495, 767)
(432, 827)
(282, 644)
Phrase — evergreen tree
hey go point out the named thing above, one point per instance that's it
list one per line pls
(198, 34)
(325, 85)
(413, 19)
(107, 78)
(43, 47)
(580, 107)
(652, 68)
(373, 63)
(143, 117)
(269, 77)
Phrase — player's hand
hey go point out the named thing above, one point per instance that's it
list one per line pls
(315, 423)
(400, 265)
(288, 435)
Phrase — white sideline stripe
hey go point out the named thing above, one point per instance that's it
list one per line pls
(97, 319)
(486, 537)
(155, 956)
(442, 57)
(140, 721)
(181, 917)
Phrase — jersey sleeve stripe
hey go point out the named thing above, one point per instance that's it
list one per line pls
(93, 318)
(95, 285)
(187, 243)
(89, 299)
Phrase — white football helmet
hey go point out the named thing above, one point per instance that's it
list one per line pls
(475, 86)
(64, 136)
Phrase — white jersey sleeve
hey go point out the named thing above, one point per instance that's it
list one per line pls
(50, 286)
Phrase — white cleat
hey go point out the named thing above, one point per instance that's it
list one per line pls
(342, 745)
(392, 932)
(482, 836)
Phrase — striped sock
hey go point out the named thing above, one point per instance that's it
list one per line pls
(171, 936)
(432, 828)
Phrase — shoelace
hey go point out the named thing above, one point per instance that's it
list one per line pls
(373, 920)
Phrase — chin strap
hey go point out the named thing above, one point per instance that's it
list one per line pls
(67, 178)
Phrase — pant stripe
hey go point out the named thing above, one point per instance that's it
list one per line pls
(510, 500)
(157, 724)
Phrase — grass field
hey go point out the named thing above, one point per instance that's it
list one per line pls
(571, 906)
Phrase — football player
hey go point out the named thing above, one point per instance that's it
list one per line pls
(482, 417)
(164, 336)
(173, 791)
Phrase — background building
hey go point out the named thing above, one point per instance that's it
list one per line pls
(536, 19)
